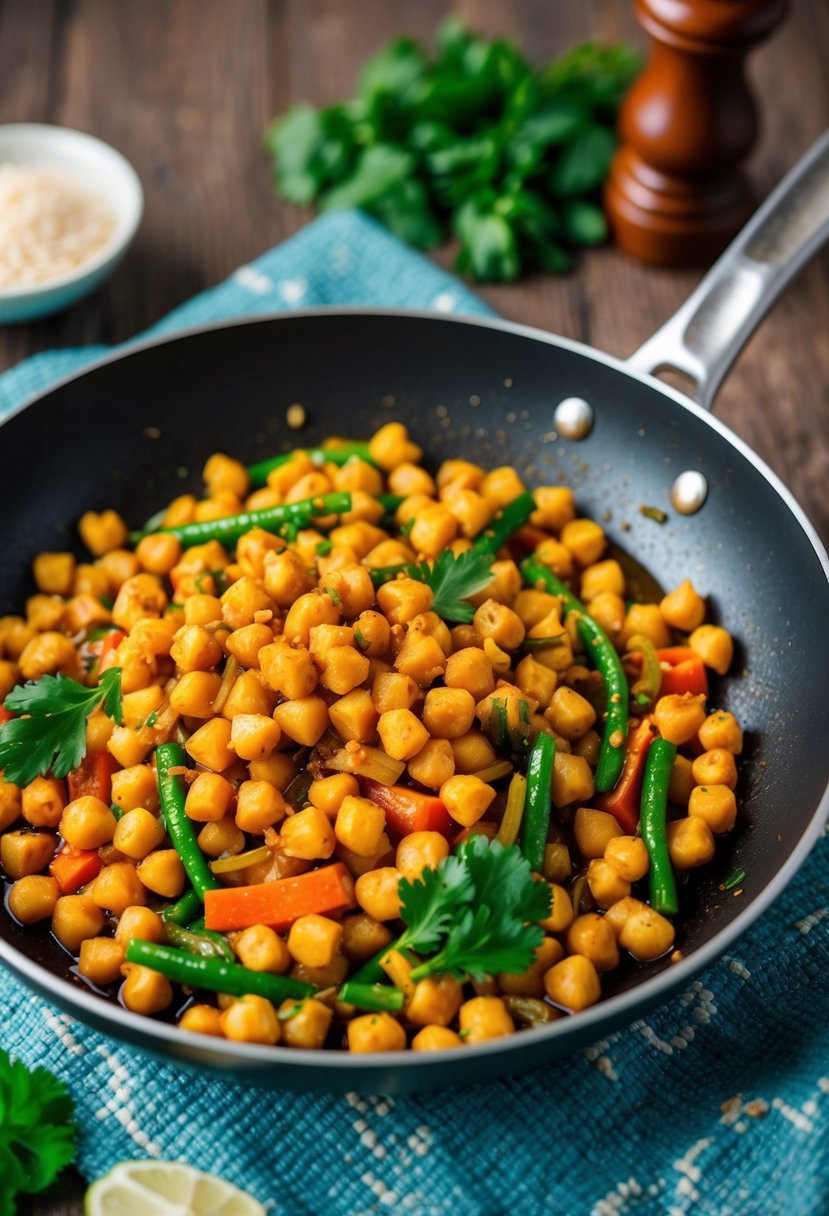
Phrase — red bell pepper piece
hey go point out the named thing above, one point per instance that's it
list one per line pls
(73, 868)
(6, 715)
(622, 802)
(93, 777)
(682, 671)
(526, 540)
(408, 810)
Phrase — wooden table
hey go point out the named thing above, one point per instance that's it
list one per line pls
(184, 90)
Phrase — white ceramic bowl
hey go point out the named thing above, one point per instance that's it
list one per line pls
(96, 167)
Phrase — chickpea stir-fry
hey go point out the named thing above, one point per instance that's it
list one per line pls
(346, 754)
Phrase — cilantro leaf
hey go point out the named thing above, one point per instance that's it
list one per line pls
(37, 1132)
(52, 735)
(453, 578)
(429, 904)
(470, 139)
(479, 910)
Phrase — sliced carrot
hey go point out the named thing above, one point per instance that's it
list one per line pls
(409, 810)
(622, 802)
(281, 902)
(73, 868)
(93, 777)
(109, 644)
(682, 671)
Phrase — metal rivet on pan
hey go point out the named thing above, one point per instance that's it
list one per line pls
(573, 418)
(689, 492)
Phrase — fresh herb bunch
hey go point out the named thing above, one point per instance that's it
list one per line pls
(476, 914)
(453, 578)
(52, 735)
(37, 1132)
(475, 141)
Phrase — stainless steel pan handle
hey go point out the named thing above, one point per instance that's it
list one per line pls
(707, 333)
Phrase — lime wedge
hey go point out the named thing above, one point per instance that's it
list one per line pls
(166, 1188)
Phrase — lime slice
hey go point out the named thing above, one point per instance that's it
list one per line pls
(166, 1188)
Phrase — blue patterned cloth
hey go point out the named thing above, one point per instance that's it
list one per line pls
(717, 1104)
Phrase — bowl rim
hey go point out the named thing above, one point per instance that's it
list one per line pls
(127, 219)
(163, 1039)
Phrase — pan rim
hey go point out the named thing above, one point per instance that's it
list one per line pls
(615, 1009)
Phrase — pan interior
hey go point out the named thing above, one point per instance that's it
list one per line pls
(136, 431)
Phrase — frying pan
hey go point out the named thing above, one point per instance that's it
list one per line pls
(133, 431)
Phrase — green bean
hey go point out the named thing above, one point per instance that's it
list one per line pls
(214, 975)
(202, 942)
(390, 502)
(385, 574)
(653, 809)
(183, 910)
(271, 519)
(340, 455)
(606, 658)
(179, 827)
(372, 996)
(510, 824)
(514, 515)
(539, 797)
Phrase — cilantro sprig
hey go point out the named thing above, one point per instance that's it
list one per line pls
(476, 914)
(52, 735)
(453, 578)
(37, 1131)
(472, 140)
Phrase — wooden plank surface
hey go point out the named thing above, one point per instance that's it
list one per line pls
(184, 90)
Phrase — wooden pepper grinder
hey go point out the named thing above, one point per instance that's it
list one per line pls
(676, 193)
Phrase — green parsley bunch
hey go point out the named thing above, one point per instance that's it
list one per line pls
(474, 141)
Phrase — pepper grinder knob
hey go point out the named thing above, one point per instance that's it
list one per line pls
(676, 193)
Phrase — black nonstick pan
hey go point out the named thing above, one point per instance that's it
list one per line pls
(134, 431)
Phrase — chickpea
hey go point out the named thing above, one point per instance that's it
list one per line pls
(436, 1038)
(591, 936)
(87, 823)
(433, 764)
(304, 720)
(202, 1019)
(570, 714)
(470, 669)
(501, 485)
(628, 856)
(375, 1032)
(715, 804)
(530, 982)
(222, 837)
(683, 608)
(401, 733)
(572, 779)
(435, 1001)
(118, 887)
(448, 712)
(258, 806)
(420, 851)
(606, 883)
(646, 934)
(715, 767)
(260, 948)
(210, 745)
(23, 853)
(141, 923)
(308, 835)
(314, 940)
(100, 960)
(74, 919)
(484, 1018)
(714, 646)
(162, 873)
(305, 1024)
(46, 654)
(646, 619)
(679, 716)
(690, 843)
(42, 802)
(54, 573)
(594, 830)
(573, 983)
(472, 752)
(376, 893)
(721, 729)
(466, 798)
(555, 507)
(681, 781)
(33, 898)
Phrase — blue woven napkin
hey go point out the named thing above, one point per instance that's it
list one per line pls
(716, 1105)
